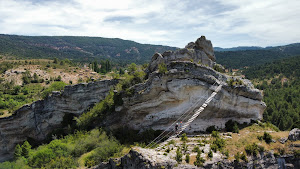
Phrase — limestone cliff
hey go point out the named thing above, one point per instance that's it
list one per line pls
(189, 81)
(37, 120)
(157, 103)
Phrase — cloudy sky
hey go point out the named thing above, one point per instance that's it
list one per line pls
(226, 23)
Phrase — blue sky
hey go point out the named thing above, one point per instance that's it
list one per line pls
(227, 23)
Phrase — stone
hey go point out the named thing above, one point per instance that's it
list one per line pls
(294, 134)
(282, 140)
(37, 120)
(163, 98)
(200, 51)
(206, 45)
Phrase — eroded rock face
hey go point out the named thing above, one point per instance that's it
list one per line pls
(200, 51)
(37, 120)
(165, 97)
(294, 134)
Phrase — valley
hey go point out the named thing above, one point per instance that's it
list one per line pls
(104, 112)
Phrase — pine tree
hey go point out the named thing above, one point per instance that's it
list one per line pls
(26, 149)
(18, 151)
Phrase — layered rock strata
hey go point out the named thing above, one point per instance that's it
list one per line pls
(189, 81)
(37, 120)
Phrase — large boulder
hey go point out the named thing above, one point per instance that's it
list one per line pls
(294, 134)
(206, 46)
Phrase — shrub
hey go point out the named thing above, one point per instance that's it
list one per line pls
(210, 129)
(187, 158)
(226, 154)
(55, 86)
(162, 68)
(267, 137)
(252, 149)
(196, 149)
(244, 157)
(218, 144)
(183, 137)
(62, 162)
(210, 154)
(237, 157)
(215, 134)
(178, 155)
(199, 160)
(232, 126)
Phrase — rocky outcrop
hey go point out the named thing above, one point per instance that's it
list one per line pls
(37, 120)
(142, 159)
(150, 159)
(294, 134)
(200, 51)
(164, 97)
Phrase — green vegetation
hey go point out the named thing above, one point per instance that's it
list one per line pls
(232, 126)
(55, 86)
(218, 143)
(240, 59)
(267, 137)
(178, 155)
(183, 137)
(280, 82)
(107, 105)
(162, 68)
(199, 160)
(187, 158)
(210, 154)
(253, 149)
(85, 49)
(65, 152)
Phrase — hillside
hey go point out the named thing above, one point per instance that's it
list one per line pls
(241, 57)
(280, 81)
(78, 48)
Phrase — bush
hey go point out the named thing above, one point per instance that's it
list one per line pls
(210, 129)
(244, 157)
(232, 126)
(252, 149)
(267, 137)
(55, 86)
(178, 155)
(237, 157)
(199, 160)
(210, 154)
(187, 158)
(162, 68)
(196, 149)
(183, 137)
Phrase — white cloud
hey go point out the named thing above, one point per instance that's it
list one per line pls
(170, 22)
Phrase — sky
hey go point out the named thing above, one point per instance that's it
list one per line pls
(227, 23)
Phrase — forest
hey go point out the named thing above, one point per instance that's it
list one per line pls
(280, 82)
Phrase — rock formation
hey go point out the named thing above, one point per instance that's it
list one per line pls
(37, 120)
(294, 134)
(155, 104)
(149, 159)
(164, 97)
(200, 51)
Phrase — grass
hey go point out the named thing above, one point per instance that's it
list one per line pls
(249, 135)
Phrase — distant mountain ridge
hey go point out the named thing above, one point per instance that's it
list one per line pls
(78, 48)
(81, 48)
(239, 57)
